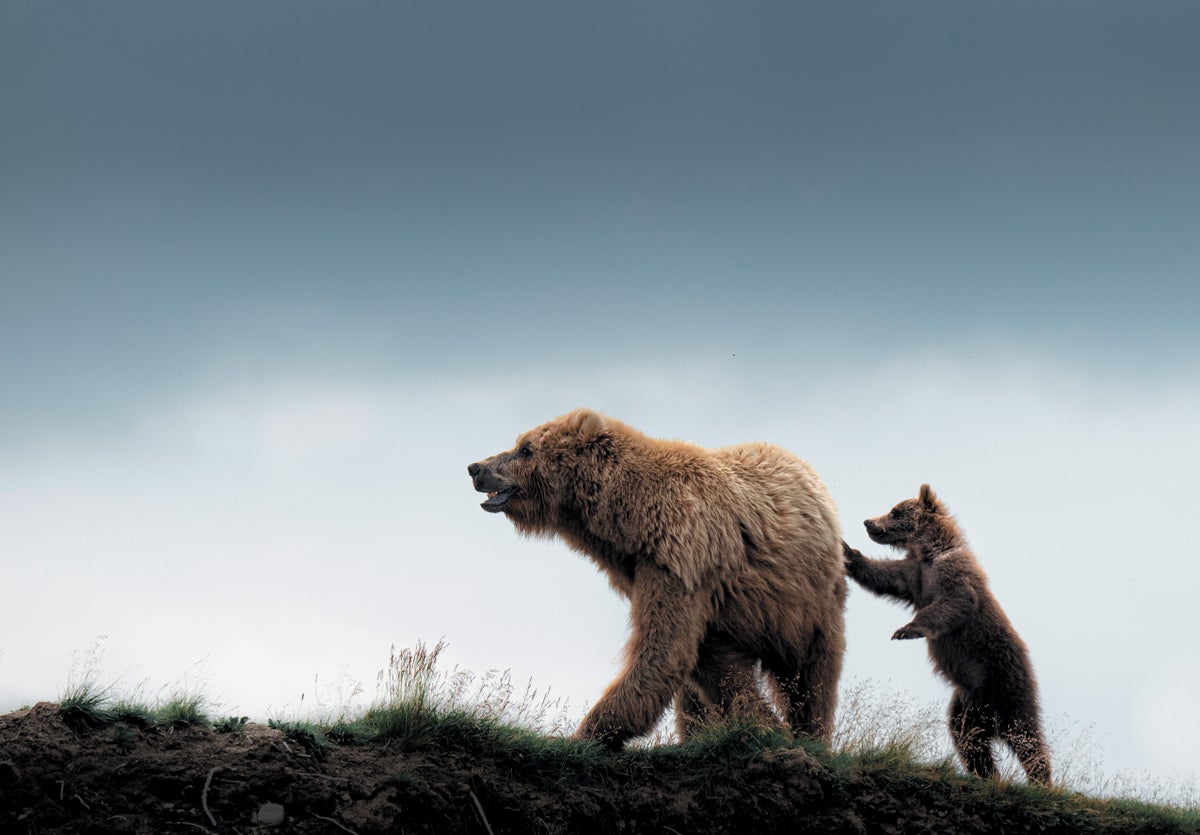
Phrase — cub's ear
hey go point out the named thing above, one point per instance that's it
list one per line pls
(929, 499)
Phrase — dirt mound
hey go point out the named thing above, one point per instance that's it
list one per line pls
(123, 778)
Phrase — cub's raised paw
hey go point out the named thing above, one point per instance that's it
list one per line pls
(907, 632)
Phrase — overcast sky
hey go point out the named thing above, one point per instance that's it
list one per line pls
(271, 275)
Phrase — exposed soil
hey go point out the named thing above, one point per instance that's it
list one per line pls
(124, 779)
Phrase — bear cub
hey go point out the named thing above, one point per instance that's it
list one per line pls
(971, 642)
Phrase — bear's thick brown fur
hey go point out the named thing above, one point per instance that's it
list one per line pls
(730, 558)
(970, 640)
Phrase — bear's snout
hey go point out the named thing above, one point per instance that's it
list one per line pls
(482, 476)
(487, 479)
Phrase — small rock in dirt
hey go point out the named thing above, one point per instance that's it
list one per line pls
(269, 814)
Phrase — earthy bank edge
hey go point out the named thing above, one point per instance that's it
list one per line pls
(481, 778)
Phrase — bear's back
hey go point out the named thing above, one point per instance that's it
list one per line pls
(784, 496)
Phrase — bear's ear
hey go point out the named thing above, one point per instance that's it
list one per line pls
(929, 499)
(586, 423)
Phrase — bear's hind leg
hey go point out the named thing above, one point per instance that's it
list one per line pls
(972, 729)
(807, 686)
(1027, 742)
(690, 712)
(728, 680)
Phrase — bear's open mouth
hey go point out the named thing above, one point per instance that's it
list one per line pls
(497, 499)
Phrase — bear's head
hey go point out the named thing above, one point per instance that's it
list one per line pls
(552, 469)
(909, 521)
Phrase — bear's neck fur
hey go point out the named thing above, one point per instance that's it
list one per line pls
(604, 516)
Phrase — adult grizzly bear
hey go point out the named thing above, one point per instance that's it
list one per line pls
(970, 640)
(729, 557)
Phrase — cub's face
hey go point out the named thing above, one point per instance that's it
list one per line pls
(532, 481)
(904, 522)
(897, 527)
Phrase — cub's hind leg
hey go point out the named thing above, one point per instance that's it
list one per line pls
(972, 728)
(1028, 743)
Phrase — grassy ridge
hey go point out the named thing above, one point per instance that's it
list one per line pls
(737, 777)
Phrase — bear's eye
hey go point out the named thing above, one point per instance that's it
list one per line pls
(526, 450)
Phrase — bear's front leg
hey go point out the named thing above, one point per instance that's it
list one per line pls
(668, 625)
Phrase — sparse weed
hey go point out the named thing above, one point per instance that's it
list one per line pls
(872, 719)
(231, 724)
(353, 732)
(308, 734)
(418, 701)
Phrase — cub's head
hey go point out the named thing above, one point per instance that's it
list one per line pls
(551, 468)
(909, 521)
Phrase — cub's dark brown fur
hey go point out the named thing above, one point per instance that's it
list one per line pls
(970, 640)
(730, 558)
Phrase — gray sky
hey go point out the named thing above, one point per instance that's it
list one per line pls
(270, 276)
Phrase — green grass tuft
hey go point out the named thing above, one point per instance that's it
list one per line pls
(87, 706)
(133, 713)
(84, 706)
(406, 723)
(182, 711)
